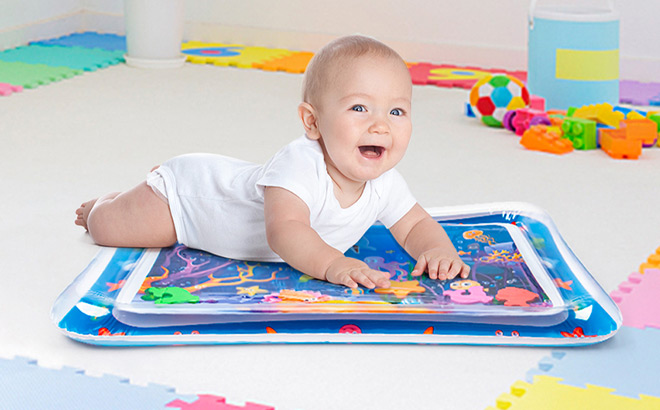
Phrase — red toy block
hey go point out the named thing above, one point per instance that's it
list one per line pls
(641, 129)
(638, 299)
(526, 117)
(613, 142)
(546, 139)
(211, 402)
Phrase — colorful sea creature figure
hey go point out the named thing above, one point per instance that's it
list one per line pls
(252, 290)
(394, 268)
(478, 236)
(115, 286)
(502, 257)
(104, 331)
(169, 295)
(577, 332)
(563, 284)
(467, 292)
(290, 295)
(512, 296)
(401, 289)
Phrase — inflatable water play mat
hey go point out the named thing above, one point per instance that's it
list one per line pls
(525, 287)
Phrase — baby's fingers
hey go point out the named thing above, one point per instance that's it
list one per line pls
(443, 269)
(362, 278)
(465, 271)
(455, 269)
(380, 279)
(420, 266)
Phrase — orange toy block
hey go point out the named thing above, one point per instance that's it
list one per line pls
(641, 129)
(546, 139)
(616, 145)
(652, 262)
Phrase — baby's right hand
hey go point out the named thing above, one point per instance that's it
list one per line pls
(351, 272)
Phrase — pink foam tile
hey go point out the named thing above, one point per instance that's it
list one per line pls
(639, 299)
(8, 89)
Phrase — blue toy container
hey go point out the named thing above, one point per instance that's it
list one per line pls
(573, 54)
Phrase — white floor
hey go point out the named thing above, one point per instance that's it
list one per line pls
(68, 142)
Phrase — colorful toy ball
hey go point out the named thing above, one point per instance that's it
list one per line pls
(494, 95)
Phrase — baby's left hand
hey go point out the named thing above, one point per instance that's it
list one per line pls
(441, 264)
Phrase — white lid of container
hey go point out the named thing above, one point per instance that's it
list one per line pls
(574, 12)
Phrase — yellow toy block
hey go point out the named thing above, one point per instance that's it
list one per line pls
(601, 113)
(546, 393)
(634, 115)
(235, 55)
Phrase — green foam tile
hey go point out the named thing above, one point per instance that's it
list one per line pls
(55, 56)
(33, 75)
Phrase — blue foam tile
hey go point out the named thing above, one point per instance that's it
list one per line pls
(26, 385)
(628, 363)
(88, 39)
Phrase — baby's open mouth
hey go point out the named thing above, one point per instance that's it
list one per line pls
(371, 151)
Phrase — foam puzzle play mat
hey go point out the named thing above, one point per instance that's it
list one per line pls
(525, 287)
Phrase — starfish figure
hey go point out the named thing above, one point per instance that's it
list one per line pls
(252, 290)
(402, 289)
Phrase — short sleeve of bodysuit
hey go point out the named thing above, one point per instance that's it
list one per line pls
(298, 168)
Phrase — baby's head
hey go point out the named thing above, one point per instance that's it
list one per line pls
(356, 101)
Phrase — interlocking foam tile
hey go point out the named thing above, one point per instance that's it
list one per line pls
(88, 39)
(234, 55)
(636, 93)
(639, 300)
(56, 56)
(453, 76)
(653, 262)
(33, 75)
(26, 385)
(295, 63)
(629, 363)
(8, 89)
(211, 402)
(547, 393)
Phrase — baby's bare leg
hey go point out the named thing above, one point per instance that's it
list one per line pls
(135, 218)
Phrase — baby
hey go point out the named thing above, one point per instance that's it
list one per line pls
(310, 202)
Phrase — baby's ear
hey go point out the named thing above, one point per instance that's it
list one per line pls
(307, 114)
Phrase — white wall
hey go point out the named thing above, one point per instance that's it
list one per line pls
(482, 33)
(28, 20)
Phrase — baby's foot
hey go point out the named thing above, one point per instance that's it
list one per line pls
(82, 213)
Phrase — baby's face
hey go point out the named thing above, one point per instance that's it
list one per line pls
(364, 118)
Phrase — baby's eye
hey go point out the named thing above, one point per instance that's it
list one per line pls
(397, 112)
(358, 108)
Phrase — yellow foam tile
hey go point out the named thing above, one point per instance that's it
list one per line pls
(546, 393)
(235, 55)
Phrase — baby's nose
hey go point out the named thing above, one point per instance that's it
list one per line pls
(379, 126)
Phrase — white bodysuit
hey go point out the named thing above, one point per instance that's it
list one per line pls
(217, 202)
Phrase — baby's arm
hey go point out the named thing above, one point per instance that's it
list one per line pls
(426, 241)
(290, 236)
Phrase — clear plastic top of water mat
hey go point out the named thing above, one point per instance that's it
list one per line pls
(508, 283)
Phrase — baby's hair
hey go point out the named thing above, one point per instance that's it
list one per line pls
(322, 65)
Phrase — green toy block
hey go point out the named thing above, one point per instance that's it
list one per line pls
(581, 132)
(656, 119)
(571, 111)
